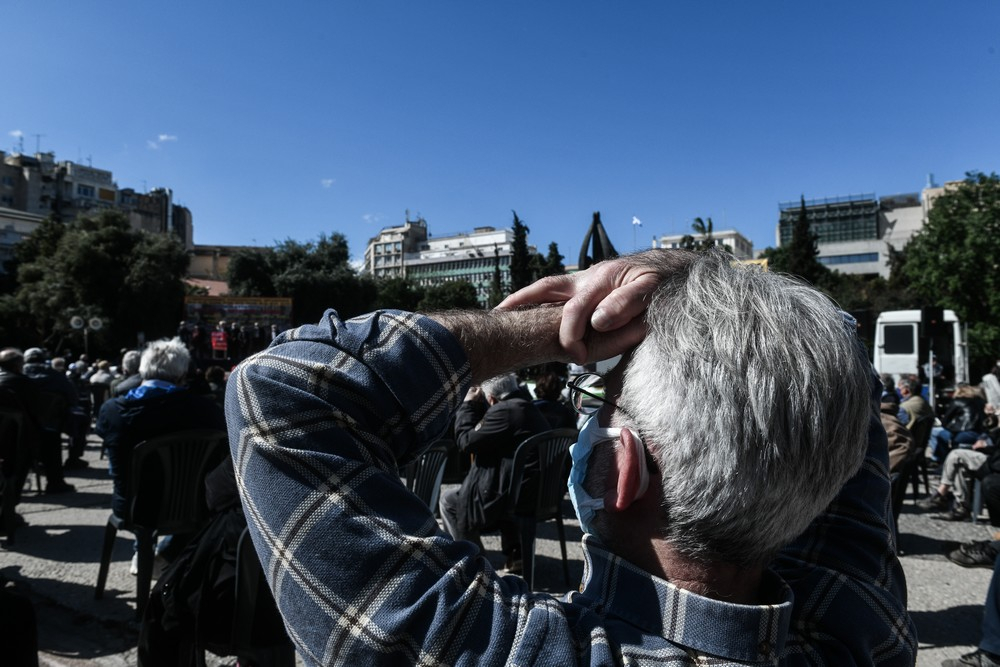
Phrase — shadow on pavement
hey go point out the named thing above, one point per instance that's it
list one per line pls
(956, 626)
(69, 633)
(920, 545)
(65, 544)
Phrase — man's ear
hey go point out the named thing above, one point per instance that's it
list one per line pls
(629, 477)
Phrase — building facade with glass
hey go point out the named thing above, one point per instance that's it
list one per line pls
(854, 232)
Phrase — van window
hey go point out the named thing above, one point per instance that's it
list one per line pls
(898, 339)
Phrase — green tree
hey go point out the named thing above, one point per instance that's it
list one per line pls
(398, 293)
(454, 294)
(96, 267)
(553, 265)
(799, 256)
(315, 275)
(497, 291)
(520, 259)
(953, 261)
(802, 250)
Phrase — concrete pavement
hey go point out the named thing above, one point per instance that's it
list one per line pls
(56, 557)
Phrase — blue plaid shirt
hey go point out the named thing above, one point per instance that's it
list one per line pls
(363, 575)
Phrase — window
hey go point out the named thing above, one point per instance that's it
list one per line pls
(85, 190)
(849, 259)
(898, 338)
(8, 181)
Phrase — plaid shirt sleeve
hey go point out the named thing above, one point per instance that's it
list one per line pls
(357, 565)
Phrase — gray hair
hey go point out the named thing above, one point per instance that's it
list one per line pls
(500, 386)
(911, 383)
(130, 362)
(754, 397)
(165, 360)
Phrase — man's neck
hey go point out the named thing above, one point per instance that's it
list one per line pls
(716, 580)
(719, 581)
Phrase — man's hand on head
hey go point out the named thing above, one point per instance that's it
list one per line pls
(609, 297)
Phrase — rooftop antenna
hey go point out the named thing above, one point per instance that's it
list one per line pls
(930, 181)
(20, 144)
(144, 188)
(89, 163)
(38, 142)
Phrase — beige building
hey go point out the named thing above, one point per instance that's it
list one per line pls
(739, 245)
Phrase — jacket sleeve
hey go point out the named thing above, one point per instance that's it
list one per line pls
(358, 567)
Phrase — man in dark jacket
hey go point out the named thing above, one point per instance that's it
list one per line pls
(61, 398)
(489, 425)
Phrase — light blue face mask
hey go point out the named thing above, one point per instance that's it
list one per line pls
(591, 434)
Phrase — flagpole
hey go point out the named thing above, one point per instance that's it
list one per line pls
(635, 223)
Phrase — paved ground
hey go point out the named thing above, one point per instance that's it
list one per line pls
(55, 564)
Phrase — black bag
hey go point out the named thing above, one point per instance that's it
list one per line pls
(192, 606)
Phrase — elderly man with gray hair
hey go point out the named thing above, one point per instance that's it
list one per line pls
(732, 487)
(161, 404)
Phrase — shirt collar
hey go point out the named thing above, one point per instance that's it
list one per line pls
(745, 633)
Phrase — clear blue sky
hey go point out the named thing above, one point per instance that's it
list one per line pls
(274, 121)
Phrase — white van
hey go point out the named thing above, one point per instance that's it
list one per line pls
(898, 349)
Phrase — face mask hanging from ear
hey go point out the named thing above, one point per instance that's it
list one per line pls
(584, 504)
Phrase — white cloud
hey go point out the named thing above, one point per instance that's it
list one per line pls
(160, 140)
(17, 134)
(327, 183)
(372, 218)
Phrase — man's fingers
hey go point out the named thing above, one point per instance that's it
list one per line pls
(623, 304)
(554, 289)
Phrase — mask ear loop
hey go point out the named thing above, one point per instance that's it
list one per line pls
(640, 455)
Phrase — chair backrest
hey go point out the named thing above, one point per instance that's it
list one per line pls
(257, 623)
(921, 431)
(166, 491)
(424, 475)
(539, 493)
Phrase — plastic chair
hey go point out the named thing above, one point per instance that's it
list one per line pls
(424, 475)
(536, 496)
(165, 495)
(12, 441)
(257, 620)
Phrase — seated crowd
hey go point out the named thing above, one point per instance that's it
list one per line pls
(773, 545)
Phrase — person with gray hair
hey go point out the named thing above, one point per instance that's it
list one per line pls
(732, 486)
(130, 378)
(492, 421)
(160, 405)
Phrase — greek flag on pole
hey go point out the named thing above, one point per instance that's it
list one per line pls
(636, 221)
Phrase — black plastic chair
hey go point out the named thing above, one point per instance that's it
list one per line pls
(536, 495)
(921, 436)
(259, 637)
(424, 475)
(166, 496)
(13, 442)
